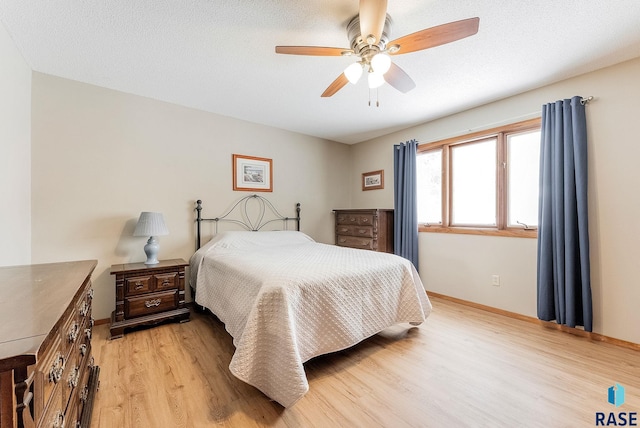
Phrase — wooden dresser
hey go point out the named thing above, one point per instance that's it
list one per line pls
(47, 374)
(148, 294)
(369, 229)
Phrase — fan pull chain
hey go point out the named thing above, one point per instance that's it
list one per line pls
(377, 99)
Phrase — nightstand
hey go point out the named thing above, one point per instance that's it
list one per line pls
(148, 294)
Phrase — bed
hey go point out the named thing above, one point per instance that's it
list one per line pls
(285, 298)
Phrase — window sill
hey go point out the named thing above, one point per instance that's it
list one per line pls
(511, 233)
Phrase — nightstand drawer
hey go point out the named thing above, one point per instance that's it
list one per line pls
(166, 281)
(137, 285)
(150, 303)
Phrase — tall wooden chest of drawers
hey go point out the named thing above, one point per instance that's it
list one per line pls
(47, 374)
(369, 229)
(148, 294)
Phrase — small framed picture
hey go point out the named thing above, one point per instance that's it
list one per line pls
(252, 173)
(373, 180)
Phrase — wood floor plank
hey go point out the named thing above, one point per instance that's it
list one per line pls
(463, 368)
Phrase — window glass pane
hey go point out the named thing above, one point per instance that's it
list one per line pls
(523, 161)
(429, 176)
(473, 183)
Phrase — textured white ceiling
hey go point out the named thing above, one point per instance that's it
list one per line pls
(218, 56)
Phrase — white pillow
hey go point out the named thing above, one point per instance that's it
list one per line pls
(248, 239)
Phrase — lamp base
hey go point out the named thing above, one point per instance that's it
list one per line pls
(151, 250)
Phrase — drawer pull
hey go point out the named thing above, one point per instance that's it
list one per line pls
(73, 332)
(58, 420)
(342, 240)
(365, 220)
(166, 283)
(139, 286)
(84, 394)
(57, 368)
(74, 377)
(152, 303)
(84, 309)
(362, 231)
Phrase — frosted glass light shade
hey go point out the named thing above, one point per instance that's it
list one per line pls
(353, 72)
(381, 63)
(151, 224)
(375, 80)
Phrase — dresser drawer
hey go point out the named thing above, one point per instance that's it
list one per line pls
(150, 303)
(355, 242)
(70, 378)
(355, 219)
(51, 370)
(138, 285)
(362, 231)
(54, 412)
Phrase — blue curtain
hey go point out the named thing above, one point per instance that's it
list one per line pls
(405, 224)
(564, 283)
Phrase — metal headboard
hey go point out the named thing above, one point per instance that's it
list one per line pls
(254, 222)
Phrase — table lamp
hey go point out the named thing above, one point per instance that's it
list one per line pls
(151, 224)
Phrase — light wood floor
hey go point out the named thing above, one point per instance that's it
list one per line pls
(463, 368)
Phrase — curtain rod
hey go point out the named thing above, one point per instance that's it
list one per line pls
(583, 101)
(586, 100)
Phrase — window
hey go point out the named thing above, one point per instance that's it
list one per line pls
(482, 183)
(429, 176)
(473, 183)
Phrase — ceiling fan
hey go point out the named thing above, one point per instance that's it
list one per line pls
(368, 34)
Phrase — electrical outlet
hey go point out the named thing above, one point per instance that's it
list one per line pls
(495, 280)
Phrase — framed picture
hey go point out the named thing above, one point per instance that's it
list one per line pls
(252, 173)
(373, 180)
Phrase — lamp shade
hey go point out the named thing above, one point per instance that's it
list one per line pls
(381, 63)
(150, 224)
(353, 72)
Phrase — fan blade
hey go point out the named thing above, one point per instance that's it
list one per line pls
(435, 36)
(372, 15)
(313, 50)
(336, 85)
(400, 80)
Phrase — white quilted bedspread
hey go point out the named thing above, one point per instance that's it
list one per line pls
(286, 299)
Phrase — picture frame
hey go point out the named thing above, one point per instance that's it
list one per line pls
(373, 180)
(252, 173)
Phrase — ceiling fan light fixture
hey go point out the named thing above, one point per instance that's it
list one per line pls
(375, 80)
(381, 63)
(353, 72)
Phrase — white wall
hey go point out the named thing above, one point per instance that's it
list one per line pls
(461, 265)
(15, 154)
(100, 157)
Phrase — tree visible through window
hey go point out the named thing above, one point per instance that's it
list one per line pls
(486, 182)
